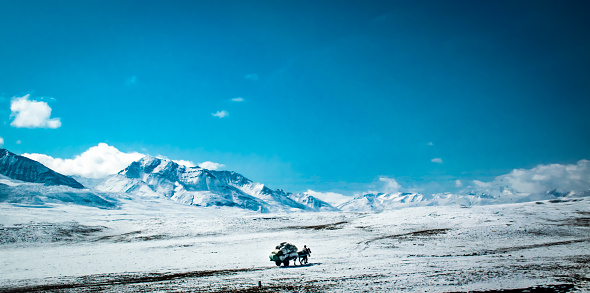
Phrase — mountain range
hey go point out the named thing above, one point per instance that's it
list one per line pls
(25, 181)
(155, 177)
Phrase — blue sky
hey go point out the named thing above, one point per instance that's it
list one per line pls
(327, 95)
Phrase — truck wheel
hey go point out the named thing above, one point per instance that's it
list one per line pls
(286, 262)
(277, 262)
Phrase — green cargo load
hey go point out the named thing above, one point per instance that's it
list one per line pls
(283, 253)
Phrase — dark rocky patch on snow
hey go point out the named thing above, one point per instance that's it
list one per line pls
(331, 226)
(48, 232)
(559, 288)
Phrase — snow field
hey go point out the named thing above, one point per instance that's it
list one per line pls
(423, 249)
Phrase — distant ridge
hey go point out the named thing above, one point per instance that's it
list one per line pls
(24, 169)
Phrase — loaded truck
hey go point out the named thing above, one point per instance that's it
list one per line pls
(283, 253)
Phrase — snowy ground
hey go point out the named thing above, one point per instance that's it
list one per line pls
(163, 246)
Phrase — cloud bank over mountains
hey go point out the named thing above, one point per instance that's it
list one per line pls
(558, 177)
(104, 160)
(519, 183)
(211, 165)
(101, 161)
(97, 162)
(390, 185)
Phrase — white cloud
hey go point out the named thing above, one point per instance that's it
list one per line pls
(97, 162)
(539, 180)
(333, 198)
(458, 183)
(211, 165)
(185, 163)
(205, 165)
(220, 114)
(18, 142)
(437, 160)
(179, 162)
(1, 141)
(539, 177)
(103, 160)
(238, 99)
(32, 114)
(543, 178)
(431, 143)
(390, 185)
(252, 76)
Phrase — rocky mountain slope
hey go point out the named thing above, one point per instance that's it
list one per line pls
(40, 195)
(27, 182)
(157, 177)
(24, 169)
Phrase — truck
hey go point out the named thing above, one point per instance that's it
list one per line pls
(283, 253)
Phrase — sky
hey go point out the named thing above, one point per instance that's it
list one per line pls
(332, 96)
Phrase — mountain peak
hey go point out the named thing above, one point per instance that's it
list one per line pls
(151, 176)
(24, 169)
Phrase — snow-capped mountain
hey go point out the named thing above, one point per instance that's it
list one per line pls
(24, 169)
(376, 202)
(155, 177)
(40, 195)
(311, 202)
(28, 182)
(543, 182)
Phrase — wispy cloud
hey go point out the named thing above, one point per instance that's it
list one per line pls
(333, 198)
(185, 163)
(32, 114)
(96, 162)
(390, 185)
(131, 80)
(220, 114)
(437, 160)
(179, 162)
(480, 183)
(431, 143)
(1, 141)
(252, 76)
(211, 165)
(238, 99)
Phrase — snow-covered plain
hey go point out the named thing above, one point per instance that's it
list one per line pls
(153, 244)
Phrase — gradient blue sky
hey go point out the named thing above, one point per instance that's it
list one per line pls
(335, 93)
